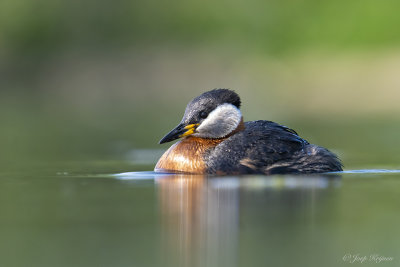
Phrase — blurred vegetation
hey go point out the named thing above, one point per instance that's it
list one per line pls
(272, 26)
(92, 80)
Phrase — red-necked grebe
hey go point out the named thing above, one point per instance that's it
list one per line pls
(217, 141)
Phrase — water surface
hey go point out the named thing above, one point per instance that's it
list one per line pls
(77, 218)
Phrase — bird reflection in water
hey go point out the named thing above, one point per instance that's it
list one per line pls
(199, 221)
(200, 215)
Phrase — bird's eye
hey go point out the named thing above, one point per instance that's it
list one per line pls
(203, 114)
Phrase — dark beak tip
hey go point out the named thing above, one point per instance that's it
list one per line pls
(173, 135)
(161, 141)
(166, 139)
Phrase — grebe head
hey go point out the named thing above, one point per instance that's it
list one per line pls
(214, 114)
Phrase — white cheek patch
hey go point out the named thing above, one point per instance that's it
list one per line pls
(220, 122)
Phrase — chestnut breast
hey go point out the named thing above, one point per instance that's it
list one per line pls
(186, 155)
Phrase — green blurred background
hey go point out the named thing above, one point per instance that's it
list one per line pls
(93, 80)
(88, 88)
